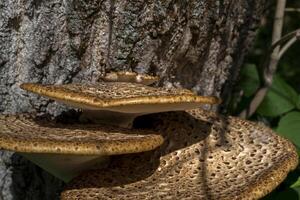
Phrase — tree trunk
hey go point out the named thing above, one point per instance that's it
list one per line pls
(195, 44)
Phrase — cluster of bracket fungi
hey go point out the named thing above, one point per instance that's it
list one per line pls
(139, 142)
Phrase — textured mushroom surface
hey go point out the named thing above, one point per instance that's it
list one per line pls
(121, 97)
(24, 133)
(133, 77)
(204, 156)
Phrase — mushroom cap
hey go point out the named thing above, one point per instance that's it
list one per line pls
(204, 156)
(24, 133)
(121, 97)
(133, 77)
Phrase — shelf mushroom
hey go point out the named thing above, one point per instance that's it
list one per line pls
(118, 103)
(133, 77)
(66, 149)
(204, 156)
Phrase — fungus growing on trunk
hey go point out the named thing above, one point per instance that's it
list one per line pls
(119, 103)
(66, 149)
(204, 156)
(132, 77)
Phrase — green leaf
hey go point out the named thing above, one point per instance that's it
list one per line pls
(249, 80)
(292, 179)
(298, 103)
(287, 194)
(280, 99)
(296, 184)
(289, 127)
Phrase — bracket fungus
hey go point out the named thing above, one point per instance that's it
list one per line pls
(118, 103)
(204, 156)
(66, 149)
(133, 77)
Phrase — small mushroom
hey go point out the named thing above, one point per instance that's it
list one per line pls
(204, 156)
(66, 149)
(133, 77)
(119, 103)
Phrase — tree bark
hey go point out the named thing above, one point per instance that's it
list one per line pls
(195, 44)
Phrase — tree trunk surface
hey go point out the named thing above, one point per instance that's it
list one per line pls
(194, 44)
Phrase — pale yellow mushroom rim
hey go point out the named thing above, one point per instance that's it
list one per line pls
(105, 148)
(87, 100)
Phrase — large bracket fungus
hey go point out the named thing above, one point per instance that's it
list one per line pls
(67, 149)
(204, 156)
(119, 103)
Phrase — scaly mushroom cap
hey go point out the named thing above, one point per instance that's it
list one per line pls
(204, 156)
(121, 97)
(66, 150)
(24, 133)
(132, 77)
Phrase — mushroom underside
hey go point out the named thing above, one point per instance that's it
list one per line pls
(67, 149)
(123, 116)
(204, 156)
(66, 167)
(140, 108)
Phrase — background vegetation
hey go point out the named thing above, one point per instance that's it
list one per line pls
(280, 108)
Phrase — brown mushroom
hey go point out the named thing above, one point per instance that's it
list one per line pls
(204, 156)
(120, 102)
(65, 150)
(133, 77)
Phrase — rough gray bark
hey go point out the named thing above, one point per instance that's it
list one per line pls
(195, 44)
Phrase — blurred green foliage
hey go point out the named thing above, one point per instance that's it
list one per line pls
(280, 108)
(279, 99)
